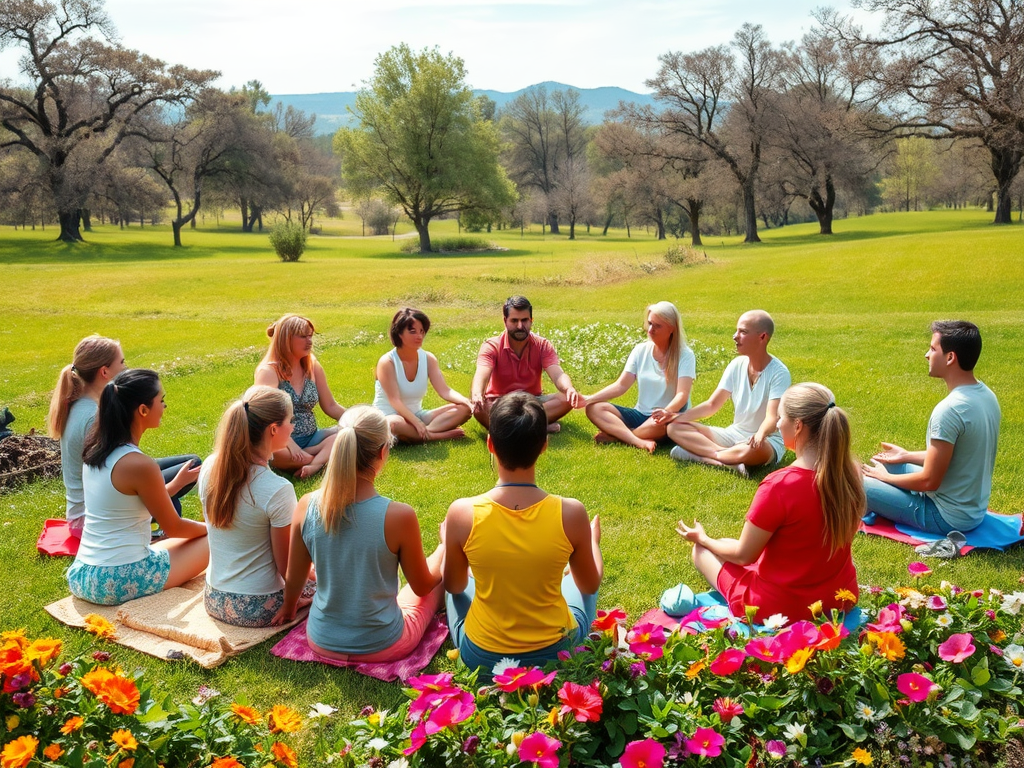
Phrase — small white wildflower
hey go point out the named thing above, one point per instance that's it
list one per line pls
(944, 620)
(775, 621)
(795, 731)
(865, 711)
(687, 698)
(1014, 656)
(503, 665)
(914, 600)
(321, 710)
(1013, 603)
(377, 743)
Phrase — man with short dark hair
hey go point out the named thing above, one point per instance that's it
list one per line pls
(514, 361)
(945, 487)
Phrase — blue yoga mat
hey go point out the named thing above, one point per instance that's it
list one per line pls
(999, 532)
(719, 609)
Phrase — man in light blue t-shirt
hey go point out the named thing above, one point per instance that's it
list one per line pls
(945, 487)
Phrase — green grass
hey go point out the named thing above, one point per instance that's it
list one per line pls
(852, 312)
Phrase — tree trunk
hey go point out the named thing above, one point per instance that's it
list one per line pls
(694, 213)
(659, 221)
(750, 212)
(176, 229)
(422, 227)
(823, 208)
(1005, 167)
(572, 227)
(69, 226)
(553, 223)
(607, 223)
(244, 206)
(86, 220)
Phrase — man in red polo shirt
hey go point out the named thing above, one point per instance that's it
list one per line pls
(514, 361)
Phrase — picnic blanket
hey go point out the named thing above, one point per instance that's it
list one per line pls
(172, 624)
(295, 648)
(998, 532)
(56, 541)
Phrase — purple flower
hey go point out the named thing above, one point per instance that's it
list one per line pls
(64, 669)
(367, 711)
(470, 744)
(638, 668)
(564, 655)
(21, 680)
(101, 656)
(606, 665)
(24, 699)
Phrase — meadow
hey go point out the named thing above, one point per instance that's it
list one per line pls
(852, 312)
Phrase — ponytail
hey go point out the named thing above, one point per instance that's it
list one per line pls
(119, 403)
(839, 482)
(91, 354)
(240, 432)
(363, 432)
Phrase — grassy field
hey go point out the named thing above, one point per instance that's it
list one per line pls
(852, 312)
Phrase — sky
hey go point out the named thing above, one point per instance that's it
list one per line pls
(318, 46)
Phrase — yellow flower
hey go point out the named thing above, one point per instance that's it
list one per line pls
(19, 753)
(553, 717)
(373, 719)
(246, 714)
(888, 644)
(99, 626)
(284, 719)
(815, 608)
(695, 669)
(517, 738)
(53, 752)
(861, 756)
(845, 596)
(533, 699)
(43, 651)
(796, 662)
(453, 654)
(124, 740)
(13, 721)
(15, 635)
(72, 724)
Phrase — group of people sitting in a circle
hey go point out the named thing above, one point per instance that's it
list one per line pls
(518, 568)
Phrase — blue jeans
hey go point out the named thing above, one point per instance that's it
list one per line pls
(911, 508)
(169, 467)
(583, 608)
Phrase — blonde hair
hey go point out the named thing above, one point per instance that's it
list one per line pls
(281, 332)
(362, 434)
(91, 354)
(667, 311)
(838, 479)
(239, 433)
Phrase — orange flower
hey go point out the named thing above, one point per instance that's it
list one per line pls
(16, 636)
(94, 680)
(72, 724)
(695, 669)
(226, 762)
(284, 719)
(99, 626)
(284, 755)
(888, 645)
(12, 659)
(246, 714)
(53, 752)
(996, 635)
(125, 740)
(43, 651)
(19, 753)
(845, 596)
(120, 694)
(128, 762)
(59, 693)
(796, 662)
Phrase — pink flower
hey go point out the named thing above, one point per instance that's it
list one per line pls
(914, 686)
(646, 640)
(584, 701)
(802, 634)
(541, 749)
(643, 754)
(521, 677)
(727, 709)
(776, 748)
(699, 616)
(431, 682)
(918, 570)
(765, 648)
(889, 619)
(957, 648)
(706, 742)
(728, 661)
(445, 708)
(937, 603)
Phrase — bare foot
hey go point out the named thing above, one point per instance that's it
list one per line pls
(648, 445)
(553, 428)
(448, 434)
(602, 438)
(307, 471)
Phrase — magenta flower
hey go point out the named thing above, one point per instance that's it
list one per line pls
(446, 708)
(521, 677)
(918, 570)
(766, 649)
(937, 603)
(802, 634)
(541, 749)
(706, 742)
(727, 708)
(957, 648)
(584, 701)
(914, 686)
(643, 754)
(776, 748)
(728, 661)
(646, 640)
(889, 619)
(431, 682)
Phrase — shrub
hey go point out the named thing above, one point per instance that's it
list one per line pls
(452, 245)
(684, 255)
(289, 240)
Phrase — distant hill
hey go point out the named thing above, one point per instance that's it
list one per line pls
(331, 109)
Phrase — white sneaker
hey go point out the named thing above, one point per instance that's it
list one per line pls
(681, 454)
(740, 469)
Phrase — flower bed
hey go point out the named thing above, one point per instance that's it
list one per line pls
(932, 678)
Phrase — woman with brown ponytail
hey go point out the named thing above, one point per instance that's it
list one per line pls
(794, 549)
(248, 509)
(97, 360)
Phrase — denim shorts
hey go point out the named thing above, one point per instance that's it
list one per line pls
(314, 438)
(631, 417)
(116, 584)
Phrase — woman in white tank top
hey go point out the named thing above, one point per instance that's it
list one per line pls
(402, 376)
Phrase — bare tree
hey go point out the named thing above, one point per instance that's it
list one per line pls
(952, 69)
(573, 198)
(84, 94)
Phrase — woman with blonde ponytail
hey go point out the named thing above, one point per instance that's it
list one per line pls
(97, 360)
(357, 539)
(794, 549)
(248, 510)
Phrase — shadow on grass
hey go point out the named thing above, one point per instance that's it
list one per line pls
(43, 252)
(840, 236)
(416, 256)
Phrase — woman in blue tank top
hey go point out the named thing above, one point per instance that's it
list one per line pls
(357, 539)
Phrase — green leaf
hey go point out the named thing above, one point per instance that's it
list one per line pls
(980, 675)
(773, 703)
(855, 732)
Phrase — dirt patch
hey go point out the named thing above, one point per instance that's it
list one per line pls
(26, 457)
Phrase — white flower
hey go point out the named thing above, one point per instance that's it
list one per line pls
(377, 744)
(775, 621)
(913, 599)
(1014, 656)
(321, 710)
(687, 698)
(795, 731)
(865, 711)
(1013, 602)
(944, 620)
(399, 763)
(503, 665)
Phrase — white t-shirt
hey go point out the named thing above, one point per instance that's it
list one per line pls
(117, 526)
(72, 442)
(410, 392)
(751, 403)
(653, 391)
(241, 557)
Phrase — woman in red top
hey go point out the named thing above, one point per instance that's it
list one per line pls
(794, 548)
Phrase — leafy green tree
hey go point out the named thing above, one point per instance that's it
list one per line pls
(421, 142)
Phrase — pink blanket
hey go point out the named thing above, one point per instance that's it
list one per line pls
(295, 647)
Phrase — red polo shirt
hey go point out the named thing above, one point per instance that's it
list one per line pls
(511, 372)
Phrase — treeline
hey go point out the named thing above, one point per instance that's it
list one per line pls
(745, 135)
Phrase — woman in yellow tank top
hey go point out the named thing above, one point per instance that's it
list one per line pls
(517, 540)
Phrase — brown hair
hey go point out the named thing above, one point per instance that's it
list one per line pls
(403, 320)
(91, 354)
(239, 433)
(362, 433)
(281, 332)
(839, 481)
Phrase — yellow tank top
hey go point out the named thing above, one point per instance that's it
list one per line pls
(517, 557)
